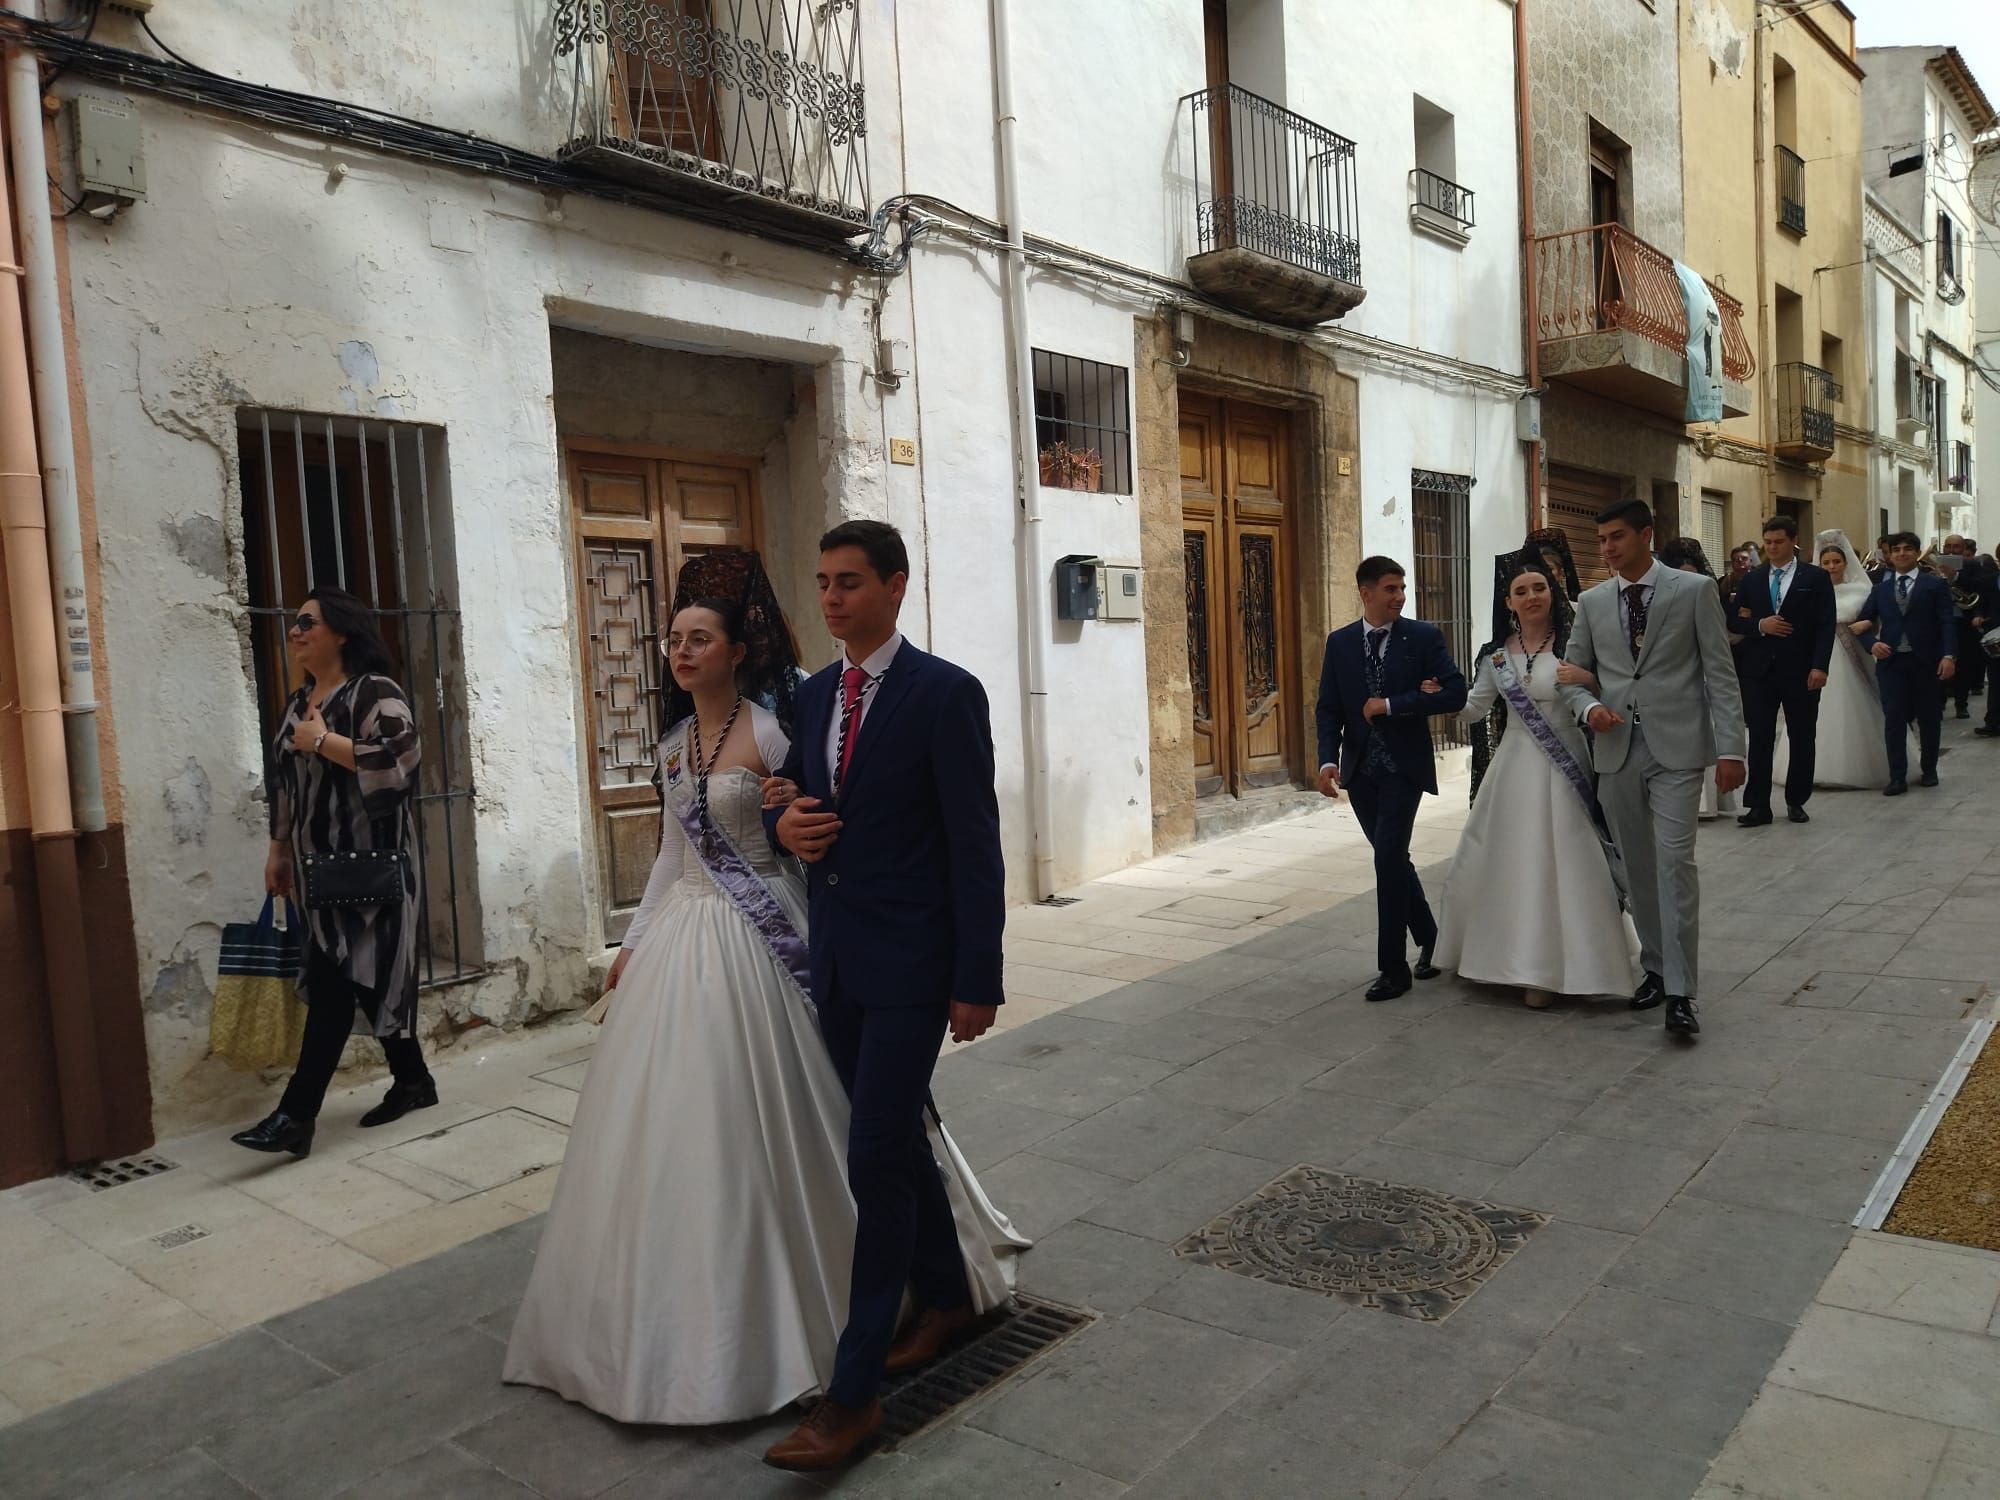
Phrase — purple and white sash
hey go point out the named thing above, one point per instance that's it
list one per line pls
(747, 892)
(1567, 766)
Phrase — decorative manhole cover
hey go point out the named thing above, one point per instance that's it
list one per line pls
(1406, 1250)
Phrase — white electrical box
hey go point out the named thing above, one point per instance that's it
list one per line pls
(105, 152)
(1528, 418)
(1120, 586)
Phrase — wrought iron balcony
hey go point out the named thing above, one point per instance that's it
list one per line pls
(1439, 203)
(1961, 468)
(1612, 318)
(754, 106)
(1805, 395)
(1791, 190)
(1275, 209)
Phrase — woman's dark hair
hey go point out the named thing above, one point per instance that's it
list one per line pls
(361, 649)
(883, 544)
(1678, 552)
(732, 583)
(727, 610)
(1508, 566)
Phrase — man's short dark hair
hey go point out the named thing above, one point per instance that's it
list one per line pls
(1786, 524)
(1897, 539)
(882, 543)
(1375, 569)
(1633, 511)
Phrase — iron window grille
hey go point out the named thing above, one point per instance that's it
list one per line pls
(1791, 190)
(1806, 394)
(1961, 467)
(335, 500)
(1274, 182)
(1442, 196)
(1441, 547)
(1083, 424)
(758, 105)
(1950, 288)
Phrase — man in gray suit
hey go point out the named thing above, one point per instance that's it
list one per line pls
(1666, 708)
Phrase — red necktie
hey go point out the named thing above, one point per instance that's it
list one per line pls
(851, 683)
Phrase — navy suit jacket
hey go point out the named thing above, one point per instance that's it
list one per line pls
(1928, 624)
(1809, 608)
(1413, 652)
(907, 907)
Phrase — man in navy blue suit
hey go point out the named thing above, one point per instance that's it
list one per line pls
(900, 831)
(1784, 611)
(1914, 642)
(1374, 739)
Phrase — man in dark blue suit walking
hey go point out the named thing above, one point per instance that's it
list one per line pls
(900, 830)
(1914, 642)
(1374, 739)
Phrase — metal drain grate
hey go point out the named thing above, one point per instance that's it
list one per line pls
(111, 1174)
(1011, 1341)
(1059, 901)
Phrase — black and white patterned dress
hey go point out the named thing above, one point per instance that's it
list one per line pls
(320, 807)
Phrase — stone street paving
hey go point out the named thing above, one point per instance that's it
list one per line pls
(1442, 1247)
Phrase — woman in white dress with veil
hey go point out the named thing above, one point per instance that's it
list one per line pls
(1531, 901)
(695, 1264)
(1851, 751)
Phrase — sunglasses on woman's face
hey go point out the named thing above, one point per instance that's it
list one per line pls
(304, 624)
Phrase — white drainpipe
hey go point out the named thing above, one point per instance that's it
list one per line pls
(1031, 580)
(49, 366)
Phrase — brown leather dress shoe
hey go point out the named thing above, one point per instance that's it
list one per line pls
(829, 1437)
(928, 1337)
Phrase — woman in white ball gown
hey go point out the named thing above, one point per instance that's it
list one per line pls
(695, 1264)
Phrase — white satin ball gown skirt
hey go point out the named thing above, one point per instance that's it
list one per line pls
(1530, 901)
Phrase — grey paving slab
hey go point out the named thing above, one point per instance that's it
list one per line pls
(1869, 917)
(1255, 1309)
(1393, 1388)
(989, 1131)
(1793, 1443)
(1832, 948)
(1079, 1081)
(1042, 1194)
(1219, 972)
(1497, 1122)
(1044, 1039)
(1844, 1101)
(414, 1304)
(1745, 922)
(1888, 1047)
(1184, 1195)
(1243, 1078)
(1793, 1171)
(1732, 1257)
(1574, 1062)
(1105, 1270)
(86, 1444)
(1233, 1457)
(1829, 989)
(714, 1469)
(188, 1475)
(405, 1407)
(1608, 1184)
(1682, 1113)
(441, 1473)
(564, 1451)
(967, 1464)
(1733, 1052)
(1295, 989)
(1561, 1264)
(1460, 1176)
(1519, 1456)
(962, 1078)
(1970, 1469)
(1623, 1363)
(1139, 1002)
(1185, 1037)
(1931, 1374)
(1136, 1137)
(1162, 1377)
(1340, 1028)
(1313, 1126)
(1933, 999)
(1410, 1069)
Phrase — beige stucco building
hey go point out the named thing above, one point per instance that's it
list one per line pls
(1771, 123)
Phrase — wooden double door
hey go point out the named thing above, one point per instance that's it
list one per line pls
(637, 514)
(1236, 502)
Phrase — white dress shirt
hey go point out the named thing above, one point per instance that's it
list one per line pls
(873, 668)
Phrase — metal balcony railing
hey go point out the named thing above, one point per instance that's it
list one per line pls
(1442, 196)
(756, 103)
(1806, 394)
(1791, 190)
(1961, 467)
(1273, 182)
(1605, 277)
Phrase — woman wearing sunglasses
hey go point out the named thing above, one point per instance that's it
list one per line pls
(343, 772)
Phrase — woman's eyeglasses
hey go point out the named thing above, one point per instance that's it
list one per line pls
(304, 624)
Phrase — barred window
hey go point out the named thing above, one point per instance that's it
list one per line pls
(1441, 547)
(1083, 424)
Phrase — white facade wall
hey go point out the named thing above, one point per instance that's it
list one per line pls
(255, 275)
(1985, 187)
(1899, 477)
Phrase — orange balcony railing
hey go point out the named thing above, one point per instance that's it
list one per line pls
(1605, 277)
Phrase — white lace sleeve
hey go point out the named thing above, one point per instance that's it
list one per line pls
(772, 746)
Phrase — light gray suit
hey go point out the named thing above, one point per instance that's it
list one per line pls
(1682, 711)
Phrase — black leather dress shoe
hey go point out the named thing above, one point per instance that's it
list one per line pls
(400, 1100)
(1963, 712)
(1680, 1016)
(1895, 789)
(1425, 969)
(1988, 731)
(1798, 815)
(1652, 990)
(278, 1131)
(1755, 819)
(1929, 778)
(1389, 986)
